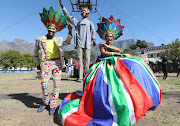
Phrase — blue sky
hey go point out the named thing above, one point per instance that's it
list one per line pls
(156, 21)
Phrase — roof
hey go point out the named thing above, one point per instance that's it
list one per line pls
(154, 48)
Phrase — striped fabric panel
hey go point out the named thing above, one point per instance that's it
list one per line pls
(117, 94)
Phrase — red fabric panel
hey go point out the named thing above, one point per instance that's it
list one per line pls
(141, 100)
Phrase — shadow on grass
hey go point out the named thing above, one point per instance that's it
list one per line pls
(27, 99)
(34, 102)
(68, 79)
(63, 95)
(175, 94)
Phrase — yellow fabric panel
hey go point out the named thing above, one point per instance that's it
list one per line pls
(52, 49)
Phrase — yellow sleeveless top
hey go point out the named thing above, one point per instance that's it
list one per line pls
(52, 49)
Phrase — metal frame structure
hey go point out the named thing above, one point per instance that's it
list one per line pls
(80, 4)
(84, 4)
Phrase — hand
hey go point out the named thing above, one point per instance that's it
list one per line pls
(117, 54)
(61, 4)
(94, 44)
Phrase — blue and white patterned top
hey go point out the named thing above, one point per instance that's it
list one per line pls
(84, 32)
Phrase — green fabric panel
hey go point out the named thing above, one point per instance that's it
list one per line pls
(72, 104)
(120, 103)
(92, 73)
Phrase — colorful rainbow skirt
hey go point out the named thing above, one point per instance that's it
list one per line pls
(117, 91)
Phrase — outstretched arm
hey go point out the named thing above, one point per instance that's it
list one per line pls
(68, 40)
(71, 19)
(103, 51)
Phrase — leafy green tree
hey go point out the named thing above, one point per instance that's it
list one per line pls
(28, 60)
(133, 46)
(128, 51)
(13, 58)
(140, 44)
(10, 59)
(173, 53)
(69, 54)
(0, 59)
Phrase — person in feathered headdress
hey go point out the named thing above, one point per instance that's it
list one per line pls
(117, 90)
(52, 59)
(109, 30)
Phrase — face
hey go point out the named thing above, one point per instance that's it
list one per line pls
(51, 30)
(109, 38)
(84, 13)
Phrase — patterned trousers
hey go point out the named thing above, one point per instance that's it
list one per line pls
(51, 68)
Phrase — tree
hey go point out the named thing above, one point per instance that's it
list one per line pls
(140, 44)
(69, 54)
(28, 60)
(10, 59)
(133, 46)
(173, 53)
(13, 58)
(128, 51)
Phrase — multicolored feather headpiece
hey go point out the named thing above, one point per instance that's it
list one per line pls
(52, 17)
(110, 25)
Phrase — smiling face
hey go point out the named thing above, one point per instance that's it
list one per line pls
(109, 38)
(51, 30)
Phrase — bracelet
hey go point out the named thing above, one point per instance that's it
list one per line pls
(112, 53)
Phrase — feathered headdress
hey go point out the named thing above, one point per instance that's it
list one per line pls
(52, 17)
(110, 25)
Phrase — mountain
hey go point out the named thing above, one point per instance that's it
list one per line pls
(26, 47)
(123, 44)
(17, 44)
(68, 47)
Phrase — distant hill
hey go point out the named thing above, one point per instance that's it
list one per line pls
(26, 47)
(17, 44)
(123, 44)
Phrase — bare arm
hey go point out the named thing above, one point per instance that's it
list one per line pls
(68, 40)
(103, 51)
(115, 49)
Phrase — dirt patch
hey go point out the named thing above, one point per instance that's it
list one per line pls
(21, 95)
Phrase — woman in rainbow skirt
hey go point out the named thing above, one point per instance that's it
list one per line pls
(117, 90)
